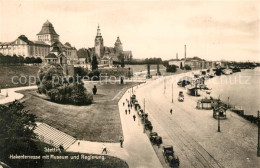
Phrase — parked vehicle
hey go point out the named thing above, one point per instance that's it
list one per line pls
(170, 157)
(137, 105)
(181, 96)
(133, 98)
(155, 139)
(148, 125)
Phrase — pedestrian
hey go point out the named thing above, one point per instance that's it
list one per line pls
(104, 149)
(78, 143)
(131, 105)
(126, 111)
(129, 111)
(134, 117)
(171, 111)
(123, 103)
(128, 105)
(121, 141)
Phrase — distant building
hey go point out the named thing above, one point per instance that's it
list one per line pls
(22, 46)
(48, 42)
(106, 55)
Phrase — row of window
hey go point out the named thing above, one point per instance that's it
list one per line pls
(43, 37)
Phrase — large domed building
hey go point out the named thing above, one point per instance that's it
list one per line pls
(47, 45)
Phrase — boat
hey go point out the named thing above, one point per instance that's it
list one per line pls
(227, 71)
(211, 73)
(236, 69)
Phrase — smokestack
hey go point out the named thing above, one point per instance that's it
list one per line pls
(185, 52)
(177, 56)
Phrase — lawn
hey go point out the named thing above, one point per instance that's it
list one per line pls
(99, 121)
(7, 72)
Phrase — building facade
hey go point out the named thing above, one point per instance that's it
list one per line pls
(106, 55)
(22, 46)
(48, 42)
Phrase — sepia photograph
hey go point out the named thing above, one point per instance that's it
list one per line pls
(129, 84)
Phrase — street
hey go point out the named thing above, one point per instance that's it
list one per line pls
(193, 133)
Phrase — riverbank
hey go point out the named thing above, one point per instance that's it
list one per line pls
(193, 132)
(238, 89)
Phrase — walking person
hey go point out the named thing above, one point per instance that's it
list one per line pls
(129, 111)
(121, 140)
(104, 149)
(131, 105)
(123, 103)
(125, 111)
(171, 111)
(134, 117)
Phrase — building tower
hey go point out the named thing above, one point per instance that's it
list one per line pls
(99, 45)
(118, 46)
(177, 56)
(48, 34)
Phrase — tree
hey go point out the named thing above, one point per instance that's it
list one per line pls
(187, 67)
(17, 136)
(122, 62)
(171, 68)
(14, 59)
(94, 63)
(49, 77)
(79, 95)
(59, 89)
(27, 60)
(82, 53)
(181, 66)
(33, 60)
(38, 60)
(21, 59)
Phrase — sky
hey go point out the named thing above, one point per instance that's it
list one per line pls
(212, 30)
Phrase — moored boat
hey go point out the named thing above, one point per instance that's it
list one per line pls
(227, 71)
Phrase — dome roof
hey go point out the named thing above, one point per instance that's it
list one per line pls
(47, 28)
(118, 40)
(47, 23)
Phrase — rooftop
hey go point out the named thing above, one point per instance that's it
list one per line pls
(47, 28)
(51, 55)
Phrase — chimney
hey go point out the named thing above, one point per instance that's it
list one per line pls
(185, 52)
(176, 56)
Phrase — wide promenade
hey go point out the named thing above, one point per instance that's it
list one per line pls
(193, 133)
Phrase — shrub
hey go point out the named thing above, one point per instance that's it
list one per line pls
(94, 76)
(52, 83)
(171, 68)
(187, 67)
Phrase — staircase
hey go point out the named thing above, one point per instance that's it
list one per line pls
(53, 136)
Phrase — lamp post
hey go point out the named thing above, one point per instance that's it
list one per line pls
(164, 85)
(144, 115)
(132, 86)
(172, 92)
(218, 123)
(258, 143)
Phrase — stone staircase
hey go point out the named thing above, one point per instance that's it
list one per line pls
(53, 136)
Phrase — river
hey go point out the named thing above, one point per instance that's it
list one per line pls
(242, 89)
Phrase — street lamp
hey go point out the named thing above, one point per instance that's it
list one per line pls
(164, 85)
(258, 143)
(172, 92)
(144, 115)
(218, 123)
